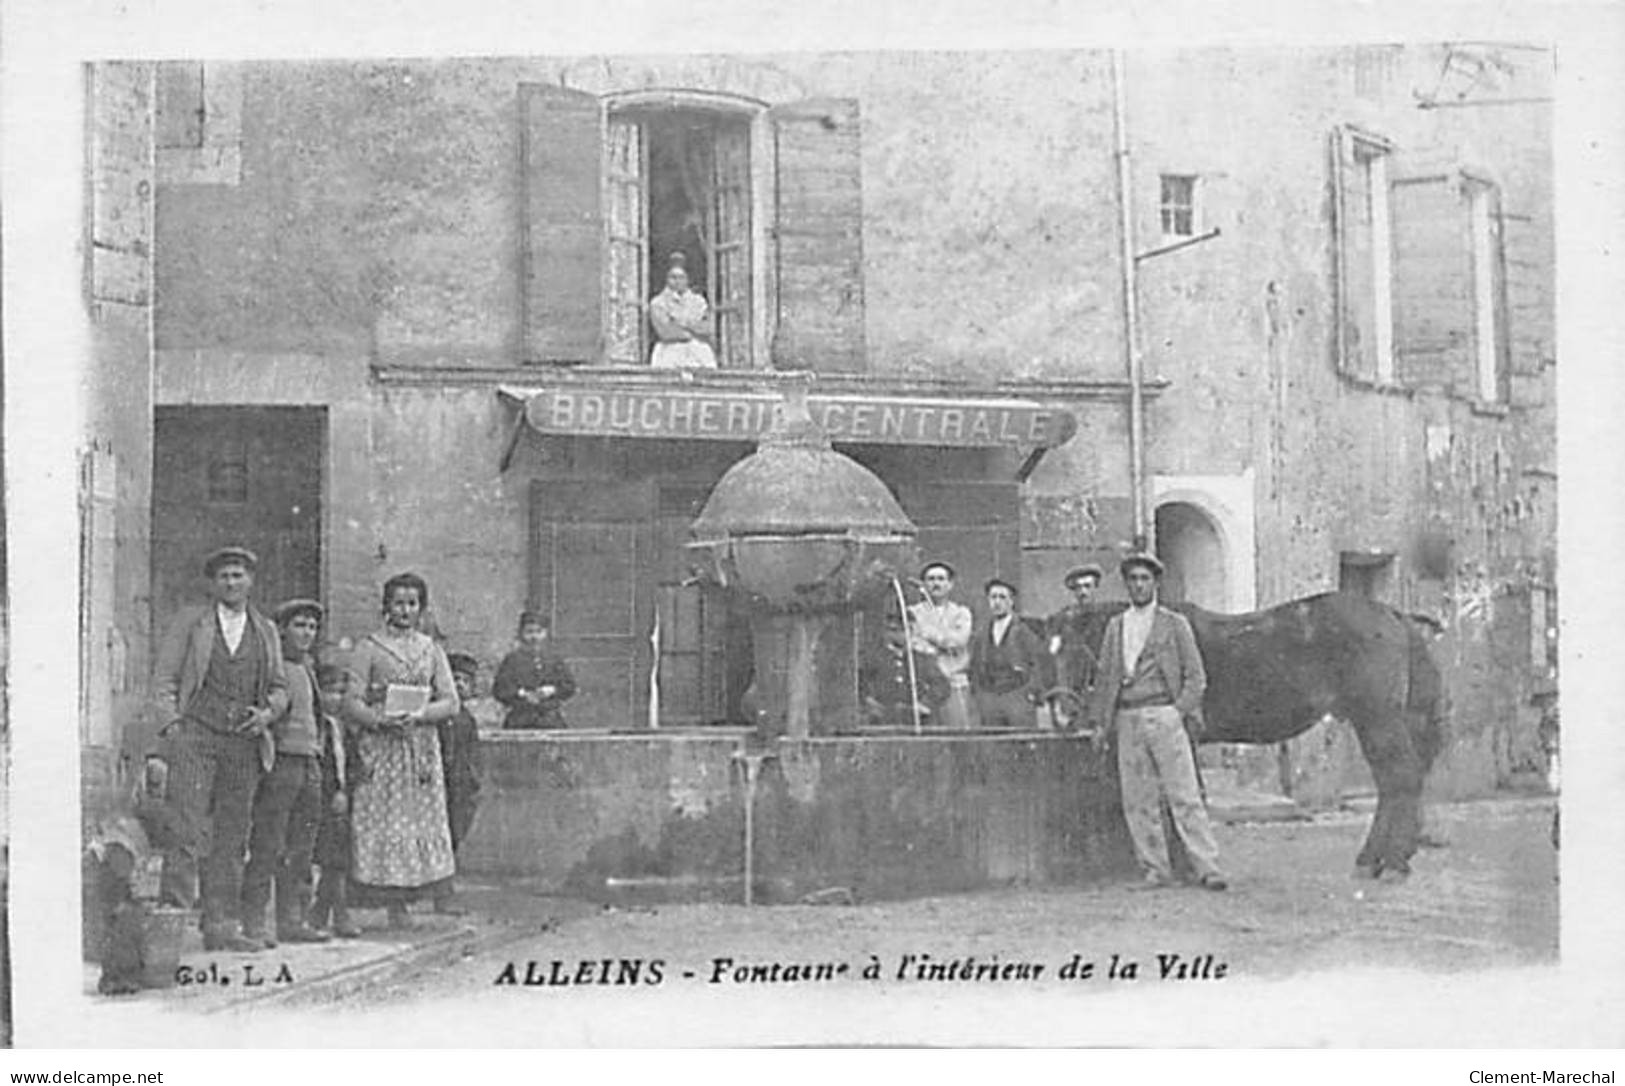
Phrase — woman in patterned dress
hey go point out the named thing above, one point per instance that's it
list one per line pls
(400, 834)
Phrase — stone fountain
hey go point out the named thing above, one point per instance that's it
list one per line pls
(807, 537)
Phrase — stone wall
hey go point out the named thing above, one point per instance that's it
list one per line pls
(663, 817)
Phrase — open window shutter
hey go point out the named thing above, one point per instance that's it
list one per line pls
(818, 233)
(1526, 245)
(1433, 283)
(563, 227)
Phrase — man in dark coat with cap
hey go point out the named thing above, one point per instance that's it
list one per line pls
(1075, 631)
(1149, 692)
(895, 679)
(219, 684)
(1006, 663)
(531, 681)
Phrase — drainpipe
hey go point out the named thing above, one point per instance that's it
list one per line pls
(1131, 315)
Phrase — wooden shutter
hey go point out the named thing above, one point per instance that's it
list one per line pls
(1433, 283)
(628, 213)
(563, 224)
(730, 256)
(818, 235)
(1526, 241)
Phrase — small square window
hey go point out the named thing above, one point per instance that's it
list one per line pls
(228, 481)
(1178, 205)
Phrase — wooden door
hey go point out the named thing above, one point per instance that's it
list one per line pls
(236, 475)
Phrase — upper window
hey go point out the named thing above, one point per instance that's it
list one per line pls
(1177, 205)
(764, 204)
(1365, 257)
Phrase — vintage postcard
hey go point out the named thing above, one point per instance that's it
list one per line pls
(611, 538)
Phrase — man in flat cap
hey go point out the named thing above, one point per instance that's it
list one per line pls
(1149, 690)
(1006, 663)
(940, 629)
(1075, 631)
(219, 684)
(288, 802)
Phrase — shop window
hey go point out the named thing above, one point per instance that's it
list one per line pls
(765, 204)
(1365, 289)
(1177, 205)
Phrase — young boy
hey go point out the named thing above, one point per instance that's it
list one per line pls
(533, 682)
(460, 758)
(341, 768)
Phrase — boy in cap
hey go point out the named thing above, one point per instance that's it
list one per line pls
(288, 802)
(1006, 663)
(1149, 690)
(460, 758)
(219, 683)
(531, 681)
(341, 769)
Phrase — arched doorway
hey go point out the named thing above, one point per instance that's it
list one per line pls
(1190, 545)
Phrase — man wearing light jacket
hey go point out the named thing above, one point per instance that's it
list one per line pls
(1149, 690)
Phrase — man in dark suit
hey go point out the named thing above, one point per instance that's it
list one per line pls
(892, 686)
(219, 685)
(1006, 663)
(1075, 631)
(1149, 690)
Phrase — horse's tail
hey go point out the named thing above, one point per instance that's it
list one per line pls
(1427, 702)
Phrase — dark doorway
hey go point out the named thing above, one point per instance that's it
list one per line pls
(1189, 544)
(246, 475)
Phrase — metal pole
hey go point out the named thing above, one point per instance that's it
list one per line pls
(1131, 315)
(908, 653)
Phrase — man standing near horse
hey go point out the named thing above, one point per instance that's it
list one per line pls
(1149, 691)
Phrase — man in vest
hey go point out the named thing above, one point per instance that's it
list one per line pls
(1006, 663)
(219, 685)
(1149, 689)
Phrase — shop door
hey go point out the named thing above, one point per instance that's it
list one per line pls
(589, 545)
(236, 475)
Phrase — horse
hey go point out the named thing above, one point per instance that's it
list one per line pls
(1276, 673)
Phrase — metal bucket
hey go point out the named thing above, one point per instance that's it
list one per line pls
(164, 932)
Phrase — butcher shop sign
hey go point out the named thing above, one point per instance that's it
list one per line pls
(744, 416)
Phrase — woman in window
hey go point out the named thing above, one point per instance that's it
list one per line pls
(682, 324)
(403, 687)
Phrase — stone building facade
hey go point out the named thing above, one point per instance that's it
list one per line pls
(326, 296)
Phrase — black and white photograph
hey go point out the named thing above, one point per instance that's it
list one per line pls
(748, 546)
